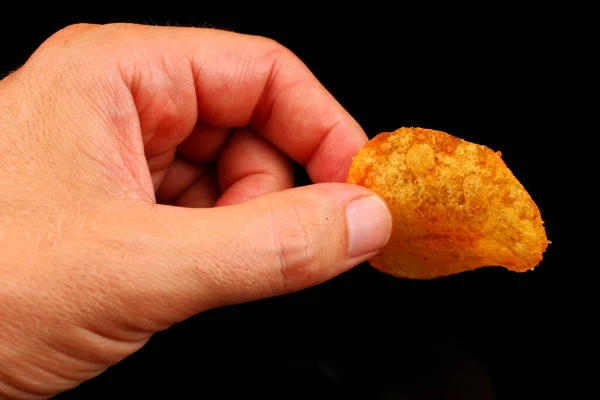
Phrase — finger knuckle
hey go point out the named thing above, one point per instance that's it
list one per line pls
(62, 55)
(60, 38)
(68, 32)
(296, 244)
(275, 51)
(76, 41)
(270, 43)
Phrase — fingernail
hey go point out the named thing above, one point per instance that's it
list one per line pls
(369, 225)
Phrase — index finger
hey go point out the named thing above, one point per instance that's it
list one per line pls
(238, 80)
(255, 81)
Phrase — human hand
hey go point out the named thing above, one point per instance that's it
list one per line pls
(145, 176)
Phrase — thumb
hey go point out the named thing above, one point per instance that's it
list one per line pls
(275, 244)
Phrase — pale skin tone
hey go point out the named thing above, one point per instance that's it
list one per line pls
(146, 176)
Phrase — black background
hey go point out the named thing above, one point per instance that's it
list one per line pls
(480, 335)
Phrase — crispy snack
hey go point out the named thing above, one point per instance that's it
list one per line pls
(456, 205)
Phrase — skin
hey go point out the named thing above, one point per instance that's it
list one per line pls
(145, 177)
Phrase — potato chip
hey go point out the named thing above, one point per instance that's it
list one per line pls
(456, 206)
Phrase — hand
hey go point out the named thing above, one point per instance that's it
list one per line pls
(145, 176)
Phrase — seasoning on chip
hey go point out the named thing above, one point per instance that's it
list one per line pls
(455, 205)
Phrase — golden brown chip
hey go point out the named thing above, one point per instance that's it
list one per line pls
(456, 206)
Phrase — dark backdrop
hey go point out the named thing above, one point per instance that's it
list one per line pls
(480, 335)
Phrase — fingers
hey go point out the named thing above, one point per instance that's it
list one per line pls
(176, 77)
(204, 143)
(282, 242)
(159, 166)
(188, 185)
(203, 193)
(194, 259)
(249, 166)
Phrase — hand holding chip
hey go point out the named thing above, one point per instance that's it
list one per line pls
(145, 176)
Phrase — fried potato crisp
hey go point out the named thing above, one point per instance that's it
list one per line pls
(456, 206)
